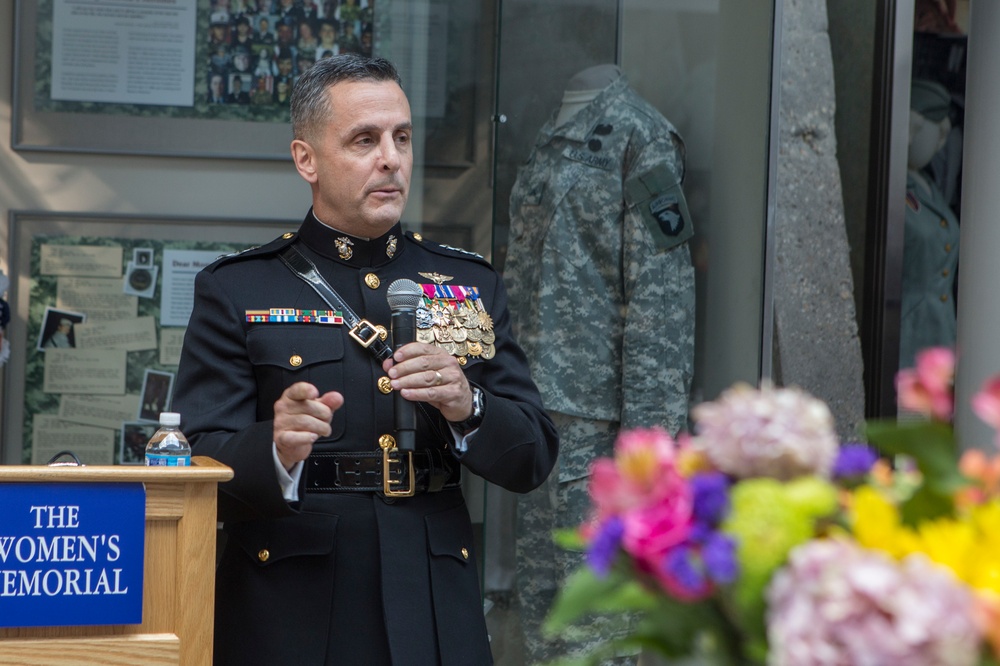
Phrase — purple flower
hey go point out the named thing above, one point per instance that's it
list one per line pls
(604, 545)
(853, 460)
(711, 497)
(719, 556)
(680, 565)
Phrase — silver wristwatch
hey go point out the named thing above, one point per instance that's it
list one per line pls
(476, 418)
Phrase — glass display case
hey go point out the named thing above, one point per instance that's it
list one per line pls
(613, 158)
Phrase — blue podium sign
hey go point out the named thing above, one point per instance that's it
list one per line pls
(71, 553)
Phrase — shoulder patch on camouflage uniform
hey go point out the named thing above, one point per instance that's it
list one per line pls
(657, 197)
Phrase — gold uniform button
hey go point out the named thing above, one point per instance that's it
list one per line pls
(287, 235)
(944, 298)
(384, 385)
(263, 555)
(465, 553)
(462, 360)
(372, 281)
(944, 223)
(417, 237)
(387, 442)
(295, 361)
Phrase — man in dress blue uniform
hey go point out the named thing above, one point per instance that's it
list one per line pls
(343, 549)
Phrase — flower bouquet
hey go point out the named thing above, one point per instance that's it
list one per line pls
(761, 538)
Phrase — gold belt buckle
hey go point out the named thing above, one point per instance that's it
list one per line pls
(389, 458)
(366, 343)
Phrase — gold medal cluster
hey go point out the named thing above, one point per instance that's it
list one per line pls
(462, 329)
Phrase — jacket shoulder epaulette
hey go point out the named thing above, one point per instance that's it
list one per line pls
(273, 247)
(447, 250)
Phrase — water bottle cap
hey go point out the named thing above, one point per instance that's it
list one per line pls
(170, 419)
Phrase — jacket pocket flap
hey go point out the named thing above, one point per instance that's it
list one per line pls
(307, 343)
(270, 541)
(449, 534)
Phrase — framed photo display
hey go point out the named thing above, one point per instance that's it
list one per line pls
(196, 78)
(213, 78)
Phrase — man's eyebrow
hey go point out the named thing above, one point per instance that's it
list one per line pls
(371, 127)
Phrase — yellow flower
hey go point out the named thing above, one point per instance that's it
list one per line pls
(986, 556)
(875, 523)
(951, 543)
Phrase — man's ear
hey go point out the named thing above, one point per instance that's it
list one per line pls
(305, 160)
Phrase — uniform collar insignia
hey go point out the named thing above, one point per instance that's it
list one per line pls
(437, 278)
(343, 245)
(390, 246)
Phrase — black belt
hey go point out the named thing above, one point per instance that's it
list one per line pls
(392, 473)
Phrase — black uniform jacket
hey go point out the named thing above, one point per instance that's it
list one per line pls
(345, 578)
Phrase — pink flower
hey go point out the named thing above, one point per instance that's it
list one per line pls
(643, 488)
(986, 404)
(651, 531)
(642, 472)
(928, 388)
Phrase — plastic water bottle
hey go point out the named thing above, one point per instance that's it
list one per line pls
(168, 446)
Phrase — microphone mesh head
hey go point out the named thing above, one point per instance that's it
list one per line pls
(403, 295)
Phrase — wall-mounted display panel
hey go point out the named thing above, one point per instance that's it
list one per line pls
(100, 304)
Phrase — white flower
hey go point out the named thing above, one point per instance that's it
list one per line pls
(776, 432)
(837, 604)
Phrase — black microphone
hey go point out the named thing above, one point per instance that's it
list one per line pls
(404, 297)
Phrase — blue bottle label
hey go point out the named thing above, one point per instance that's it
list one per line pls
(157, 460)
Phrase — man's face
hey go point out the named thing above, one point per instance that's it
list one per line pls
(285, 66)
(216, 86)
(241, 61)
(359, 163)
(326, 33)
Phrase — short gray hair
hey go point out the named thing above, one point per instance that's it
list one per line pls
(310, 103)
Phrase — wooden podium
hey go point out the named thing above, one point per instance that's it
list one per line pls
(178, 597)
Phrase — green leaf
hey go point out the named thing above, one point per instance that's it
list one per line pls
(585, 593)
(569, 539)
(926, 504)
(677, 629)
(931, 444)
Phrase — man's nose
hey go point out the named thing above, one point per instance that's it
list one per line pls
(390, 158)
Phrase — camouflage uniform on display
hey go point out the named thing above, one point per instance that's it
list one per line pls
(602, 301)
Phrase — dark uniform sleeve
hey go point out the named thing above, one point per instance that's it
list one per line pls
(216, 395)
(516, 445)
